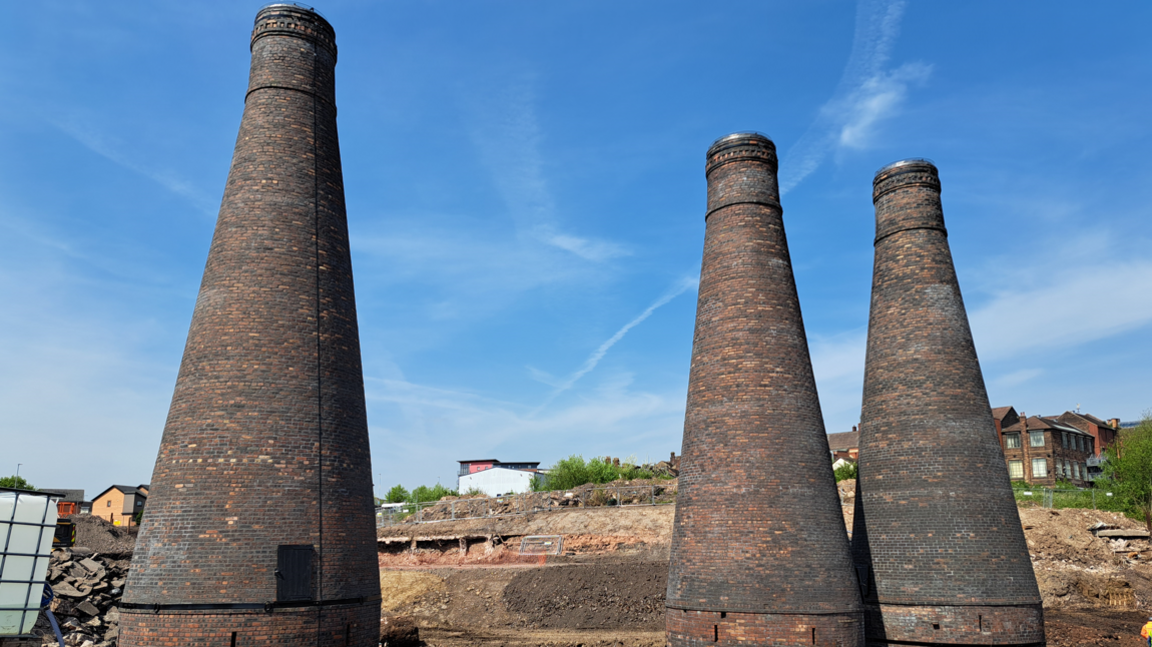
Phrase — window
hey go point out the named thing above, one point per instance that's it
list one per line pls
(1036, 438)
(1040, 467)
(1064, 438)
(109, 502)
(1059, 469)
(1012, 441)
(1016, 468)
(1067, 469)
(1076, 471)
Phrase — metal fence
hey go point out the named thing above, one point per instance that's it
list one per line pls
(1062, 498)
(516, 504)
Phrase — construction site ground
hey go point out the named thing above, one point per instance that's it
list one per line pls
(465, 582)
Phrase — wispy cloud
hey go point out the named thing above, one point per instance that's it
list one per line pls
(1046, 306)
(420, 421)
(508, 134)
(1017, 378)
(679, 288)
(110, 148)
(867, 93)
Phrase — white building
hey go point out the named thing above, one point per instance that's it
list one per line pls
(495, 478)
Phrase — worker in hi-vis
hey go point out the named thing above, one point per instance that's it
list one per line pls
(1146, 631)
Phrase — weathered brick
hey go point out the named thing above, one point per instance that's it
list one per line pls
(937, 536)
(266, 441)
(759, 551)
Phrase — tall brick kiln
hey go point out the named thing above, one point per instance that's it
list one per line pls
(937, 537)
(759, 551)
(260, 525)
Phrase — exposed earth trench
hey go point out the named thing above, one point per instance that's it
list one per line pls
(465, 583)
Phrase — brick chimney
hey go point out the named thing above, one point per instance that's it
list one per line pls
(931, 468)
(759, 553)
(260, 526)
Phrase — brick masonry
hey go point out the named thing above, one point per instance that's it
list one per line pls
(759, 552)
(266, 441)
(937, 537)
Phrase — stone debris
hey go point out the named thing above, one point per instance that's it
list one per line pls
(88, 587)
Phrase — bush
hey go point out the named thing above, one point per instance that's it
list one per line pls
(424, 493)
(845, 472)
(398, 494)
(574, 471)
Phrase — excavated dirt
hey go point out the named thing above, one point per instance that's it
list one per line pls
(1077, 569)
(589, 596)
(607, 587)
(1067, 627)
(102, 537)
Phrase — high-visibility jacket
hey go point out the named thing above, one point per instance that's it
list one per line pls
(1146, 630)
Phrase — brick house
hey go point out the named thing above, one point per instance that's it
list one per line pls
(120, 502)
(1042, 450)
(845, 445)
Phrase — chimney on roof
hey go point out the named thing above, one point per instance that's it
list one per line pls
(853, 427)
(1114, 423)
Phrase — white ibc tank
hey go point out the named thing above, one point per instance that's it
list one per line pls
(27, 525)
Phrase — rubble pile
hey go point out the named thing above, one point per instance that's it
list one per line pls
(635, 492)
(87, 581)
(1075, 567)
(88, 588)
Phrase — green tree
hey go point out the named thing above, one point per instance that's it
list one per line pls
(16, 483)
(845, 472)
(424, 493)
(1128, 470)
(398, 494)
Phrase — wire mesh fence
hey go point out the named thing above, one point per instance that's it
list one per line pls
(1068, 498)
(486, 507)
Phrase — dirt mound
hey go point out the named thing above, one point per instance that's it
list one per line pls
(102, 537)
(617, 493)
(1078, 569)
(590, 597)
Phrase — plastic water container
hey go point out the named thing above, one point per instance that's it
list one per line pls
(27, 524)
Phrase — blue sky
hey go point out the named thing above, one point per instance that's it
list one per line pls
(526, 192)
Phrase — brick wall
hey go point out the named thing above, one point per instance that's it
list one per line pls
(937, 531)
(758, 536)
(266, 440)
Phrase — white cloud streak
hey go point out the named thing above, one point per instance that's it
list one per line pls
(1075, 302)
(92, 139)
(510, 139)
(589, 364)
(866, 95)
(422, 421)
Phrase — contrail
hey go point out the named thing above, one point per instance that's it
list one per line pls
(679, 288)
(877, 27)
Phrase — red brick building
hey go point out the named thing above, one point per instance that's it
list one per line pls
(1045, 449)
